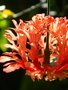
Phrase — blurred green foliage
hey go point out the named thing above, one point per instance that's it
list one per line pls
(5, 17)
(4, 24)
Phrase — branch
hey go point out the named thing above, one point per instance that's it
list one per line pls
(30, 9)
(26, 10)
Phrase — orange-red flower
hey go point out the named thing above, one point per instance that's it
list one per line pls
(28, 41)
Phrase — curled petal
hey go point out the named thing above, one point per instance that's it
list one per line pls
(11, 46)
(11, 67)
(5, 59)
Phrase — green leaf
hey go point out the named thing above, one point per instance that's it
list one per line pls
(2, 42)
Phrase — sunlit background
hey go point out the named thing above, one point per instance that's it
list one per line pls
(25, 9)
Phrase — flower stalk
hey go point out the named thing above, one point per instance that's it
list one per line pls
(47, 51)
(48, 8)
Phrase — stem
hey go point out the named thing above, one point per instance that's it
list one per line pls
(47, 51)
(48, 8)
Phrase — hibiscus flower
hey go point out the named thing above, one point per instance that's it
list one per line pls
(39, 46)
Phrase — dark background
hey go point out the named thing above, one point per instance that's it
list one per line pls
(17, 79)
